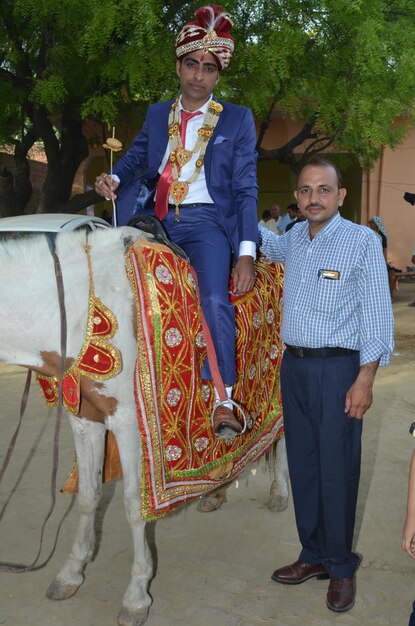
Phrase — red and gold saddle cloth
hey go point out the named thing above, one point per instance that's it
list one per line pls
(182, 459)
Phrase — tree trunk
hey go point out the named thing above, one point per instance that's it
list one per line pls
(64, 156)
(9, 204)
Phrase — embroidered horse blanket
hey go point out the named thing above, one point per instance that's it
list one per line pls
(182, 459)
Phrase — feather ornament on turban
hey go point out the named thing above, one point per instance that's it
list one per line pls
(209, 32)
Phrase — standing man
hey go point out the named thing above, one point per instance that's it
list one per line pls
(288, 217)
(204, 151)
(270, 218)
(337, 328)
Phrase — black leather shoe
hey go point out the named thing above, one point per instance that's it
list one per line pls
(298, 573)
(341, 594)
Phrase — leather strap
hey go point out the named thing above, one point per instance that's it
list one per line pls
(15, 567)
(211, 354)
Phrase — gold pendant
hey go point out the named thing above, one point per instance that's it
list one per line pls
(183, 156)
(178, 191)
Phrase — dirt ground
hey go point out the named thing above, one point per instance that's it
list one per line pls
(211, 569)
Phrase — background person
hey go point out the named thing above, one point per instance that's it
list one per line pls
(269, 219)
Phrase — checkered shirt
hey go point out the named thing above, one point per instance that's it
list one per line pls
(353, 309)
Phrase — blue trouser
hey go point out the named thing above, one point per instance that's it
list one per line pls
(412, 617)
(323, 450)
(201, 235)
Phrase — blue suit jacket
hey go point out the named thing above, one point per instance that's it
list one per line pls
(230, 169)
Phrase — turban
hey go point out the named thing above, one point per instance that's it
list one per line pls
(209, 32)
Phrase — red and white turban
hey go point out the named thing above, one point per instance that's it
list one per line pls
(209, 32)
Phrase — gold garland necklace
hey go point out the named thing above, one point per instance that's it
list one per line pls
(179, 156)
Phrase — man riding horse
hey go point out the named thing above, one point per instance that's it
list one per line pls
(202, 153)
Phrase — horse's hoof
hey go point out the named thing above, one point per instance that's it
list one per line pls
(126, 617)
(277, 503)
(59, 591)
(207, 504)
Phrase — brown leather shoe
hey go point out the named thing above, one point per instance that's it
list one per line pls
(225, 424)
(298, 573)
(341, 594)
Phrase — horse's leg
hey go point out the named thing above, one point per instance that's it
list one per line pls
(213, 501)
(89, 440)
(136, 601)
(278, 496)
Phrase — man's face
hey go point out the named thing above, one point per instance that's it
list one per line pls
(275, 211)
(318, 195)
(198, 73)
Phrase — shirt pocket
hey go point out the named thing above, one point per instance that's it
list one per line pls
(327, 296)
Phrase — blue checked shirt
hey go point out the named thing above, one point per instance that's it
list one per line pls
(336, 290)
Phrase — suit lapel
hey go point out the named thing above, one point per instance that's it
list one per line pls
(161, 136)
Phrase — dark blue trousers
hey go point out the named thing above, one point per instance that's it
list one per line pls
(201, 235)
(323, 449)
(412, 617)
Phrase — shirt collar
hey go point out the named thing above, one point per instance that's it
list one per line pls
(327, 231)
(203, 109)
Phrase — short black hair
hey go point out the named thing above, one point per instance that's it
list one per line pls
(293, 207)
(266, 213)
(320, 162)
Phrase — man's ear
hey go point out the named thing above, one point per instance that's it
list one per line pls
(296, 195)
(178, 66)
(342, 195)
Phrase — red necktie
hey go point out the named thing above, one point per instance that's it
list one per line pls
(166, 177)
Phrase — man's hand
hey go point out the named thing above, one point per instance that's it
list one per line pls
(243, 275)
(105, 186)
(359, 397)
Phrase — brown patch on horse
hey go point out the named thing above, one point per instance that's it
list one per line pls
(52, 364)
(94, 405)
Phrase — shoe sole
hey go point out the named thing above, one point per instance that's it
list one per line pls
(343, 609)
(284, 581)
(226, 432)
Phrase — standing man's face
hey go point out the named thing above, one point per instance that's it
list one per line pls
(318, 196)
(199, 74)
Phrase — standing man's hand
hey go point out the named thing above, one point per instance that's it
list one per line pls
(105, 186)
(243, 275)
(359, 397)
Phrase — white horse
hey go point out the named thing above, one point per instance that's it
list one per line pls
(30, 336)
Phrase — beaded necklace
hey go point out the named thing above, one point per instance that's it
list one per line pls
(179, 156)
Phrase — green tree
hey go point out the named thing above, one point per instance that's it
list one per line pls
(344, 68)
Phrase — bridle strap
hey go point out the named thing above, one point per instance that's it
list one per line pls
(23, 404)
(14, 567)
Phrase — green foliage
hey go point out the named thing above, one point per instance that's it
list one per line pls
(347, 64)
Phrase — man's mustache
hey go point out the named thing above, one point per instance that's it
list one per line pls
(314, 206)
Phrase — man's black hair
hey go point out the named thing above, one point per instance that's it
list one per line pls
(320, 162)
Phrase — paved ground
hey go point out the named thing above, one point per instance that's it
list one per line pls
(212, 569)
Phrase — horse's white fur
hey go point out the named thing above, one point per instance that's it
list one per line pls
(30, 326)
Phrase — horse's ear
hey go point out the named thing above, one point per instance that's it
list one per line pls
(153, 226)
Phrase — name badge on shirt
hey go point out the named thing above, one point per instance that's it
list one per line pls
(329, 274)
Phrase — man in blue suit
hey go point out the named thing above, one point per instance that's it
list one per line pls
(203, 152)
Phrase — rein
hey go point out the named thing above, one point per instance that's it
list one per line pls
(15, 567)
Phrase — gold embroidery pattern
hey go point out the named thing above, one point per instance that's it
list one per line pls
(181, 457)
(97, 359)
